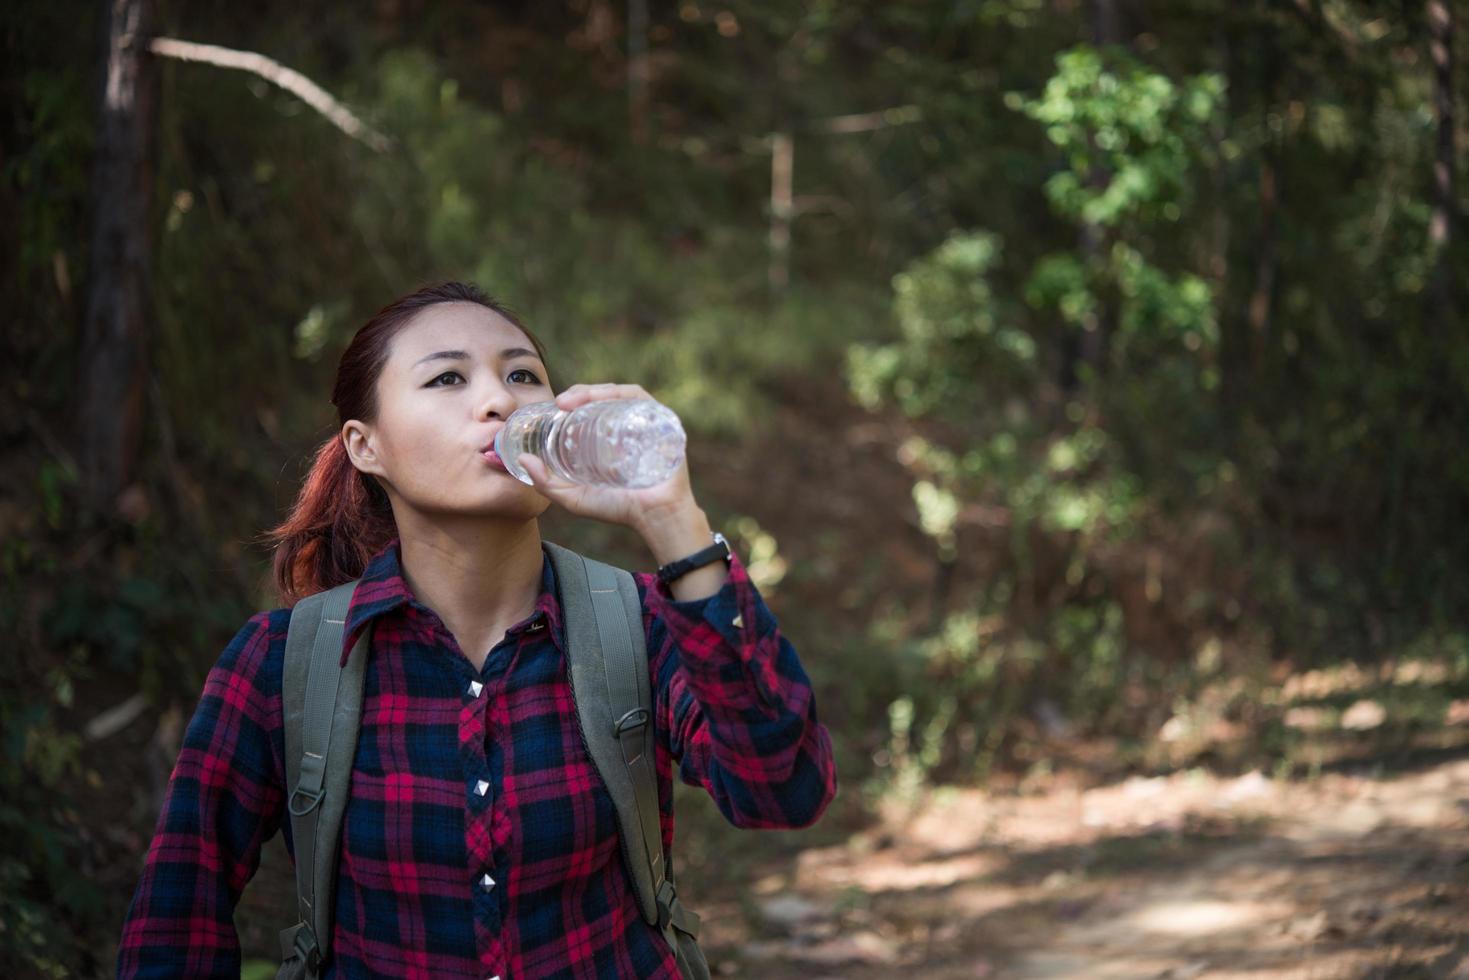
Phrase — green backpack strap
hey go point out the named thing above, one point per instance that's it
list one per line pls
(321, 706)
(608, 659)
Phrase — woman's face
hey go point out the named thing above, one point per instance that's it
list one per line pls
(454, 374)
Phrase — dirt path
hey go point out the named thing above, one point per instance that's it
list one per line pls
(1188, 876)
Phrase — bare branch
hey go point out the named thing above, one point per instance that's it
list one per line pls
(116, 718)
(866, 121)
(277, 74)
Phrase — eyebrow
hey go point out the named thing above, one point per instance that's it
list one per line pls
(459, 355)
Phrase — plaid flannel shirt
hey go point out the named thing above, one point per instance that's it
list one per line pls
(479, 840)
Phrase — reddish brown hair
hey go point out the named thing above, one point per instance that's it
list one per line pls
(342, 517)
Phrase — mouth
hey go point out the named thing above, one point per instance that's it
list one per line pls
(488, 454)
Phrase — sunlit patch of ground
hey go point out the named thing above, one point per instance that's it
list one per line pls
(1189, 875)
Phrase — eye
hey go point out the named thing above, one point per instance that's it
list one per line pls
(529, 374)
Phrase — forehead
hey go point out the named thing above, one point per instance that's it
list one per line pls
(457, 326)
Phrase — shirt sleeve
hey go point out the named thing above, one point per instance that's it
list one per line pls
(224, 801)
(735, 707)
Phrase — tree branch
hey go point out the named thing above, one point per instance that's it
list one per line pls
(866, 121)
(277, 74)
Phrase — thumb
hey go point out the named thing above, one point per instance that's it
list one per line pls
(542, 479)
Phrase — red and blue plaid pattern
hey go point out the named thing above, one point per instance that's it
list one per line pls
(479, 840)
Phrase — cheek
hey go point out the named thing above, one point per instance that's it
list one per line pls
(418, 447)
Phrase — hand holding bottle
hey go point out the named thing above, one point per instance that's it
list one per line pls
(632, 449)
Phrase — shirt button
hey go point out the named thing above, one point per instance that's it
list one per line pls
(474, 688)
(487, 882)
(481, 788)
(738, 621)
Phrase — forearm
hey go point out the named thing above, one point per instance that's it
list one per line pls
(737, 707)
(676, 536)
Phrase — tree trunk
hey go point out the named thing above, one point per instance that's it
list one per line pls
(782, 170)
(1440, 226)
(1259, 313)
(114, 343)
(1231, 352)
(637, 69)
(1262, 297)
(1102, 20)
(1091, 345)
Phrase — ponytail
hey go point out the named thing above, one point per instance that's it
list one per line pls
(340, 520)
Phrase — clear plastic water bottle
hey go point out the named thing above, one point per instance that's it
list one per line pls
(622, 442)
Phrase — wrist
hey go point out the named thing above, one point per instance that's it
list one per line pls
(676, 534)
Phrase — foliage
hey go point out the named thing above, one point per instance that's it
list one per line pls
(1135, 125)
(985, 342)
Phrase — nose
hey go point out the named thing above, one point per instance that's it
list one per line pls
(498, 402)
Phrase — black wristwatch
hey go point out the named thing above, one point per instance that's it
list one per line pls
(717, 551)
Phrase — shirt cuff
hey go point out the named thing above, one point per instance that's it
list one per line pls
(732, 610)
(724, 636)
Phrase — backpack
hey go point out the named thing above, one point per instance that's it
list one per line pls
(607, 654)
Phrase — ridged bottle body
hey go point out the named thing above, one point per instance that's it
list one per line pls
(622, 442)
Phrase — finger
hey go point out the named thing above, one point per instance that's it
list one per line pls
(546, 481)
(578, 395)
(535, 469)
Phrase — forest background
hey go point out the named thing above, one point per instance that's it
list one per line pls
(1073, 375)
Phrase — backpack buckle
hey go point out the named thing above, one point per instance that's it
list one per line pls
(666, 900)
(631, 722)
(312, 798)
(310, 786)
(629, 731)
(307, 947)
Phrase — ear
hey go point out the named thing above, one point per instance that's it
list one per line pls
(361, 445)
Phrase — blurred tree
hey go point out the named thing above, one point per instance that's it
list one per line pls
(114, 353)
(1440, 228)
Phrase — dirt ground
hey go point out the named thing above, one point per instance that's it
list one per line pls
(1349, 874)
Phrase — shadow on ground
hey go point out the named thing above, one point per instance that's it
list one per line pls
(1189, 875)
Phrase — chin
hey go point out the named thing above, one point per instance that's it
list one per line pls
(527, 505)
(498, 505)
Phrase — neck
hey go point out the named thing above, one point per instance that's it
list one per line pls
(480, 575)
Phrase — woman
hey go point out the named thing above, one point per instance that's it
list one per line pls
(478, 840)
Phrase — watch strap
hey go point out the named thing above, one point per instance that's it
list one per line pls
(717, 551)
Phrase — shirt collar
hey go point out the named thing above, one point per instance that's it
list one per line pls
(383, 589)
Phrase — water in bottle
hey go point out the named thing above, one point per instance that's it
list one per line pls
(623, 442)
